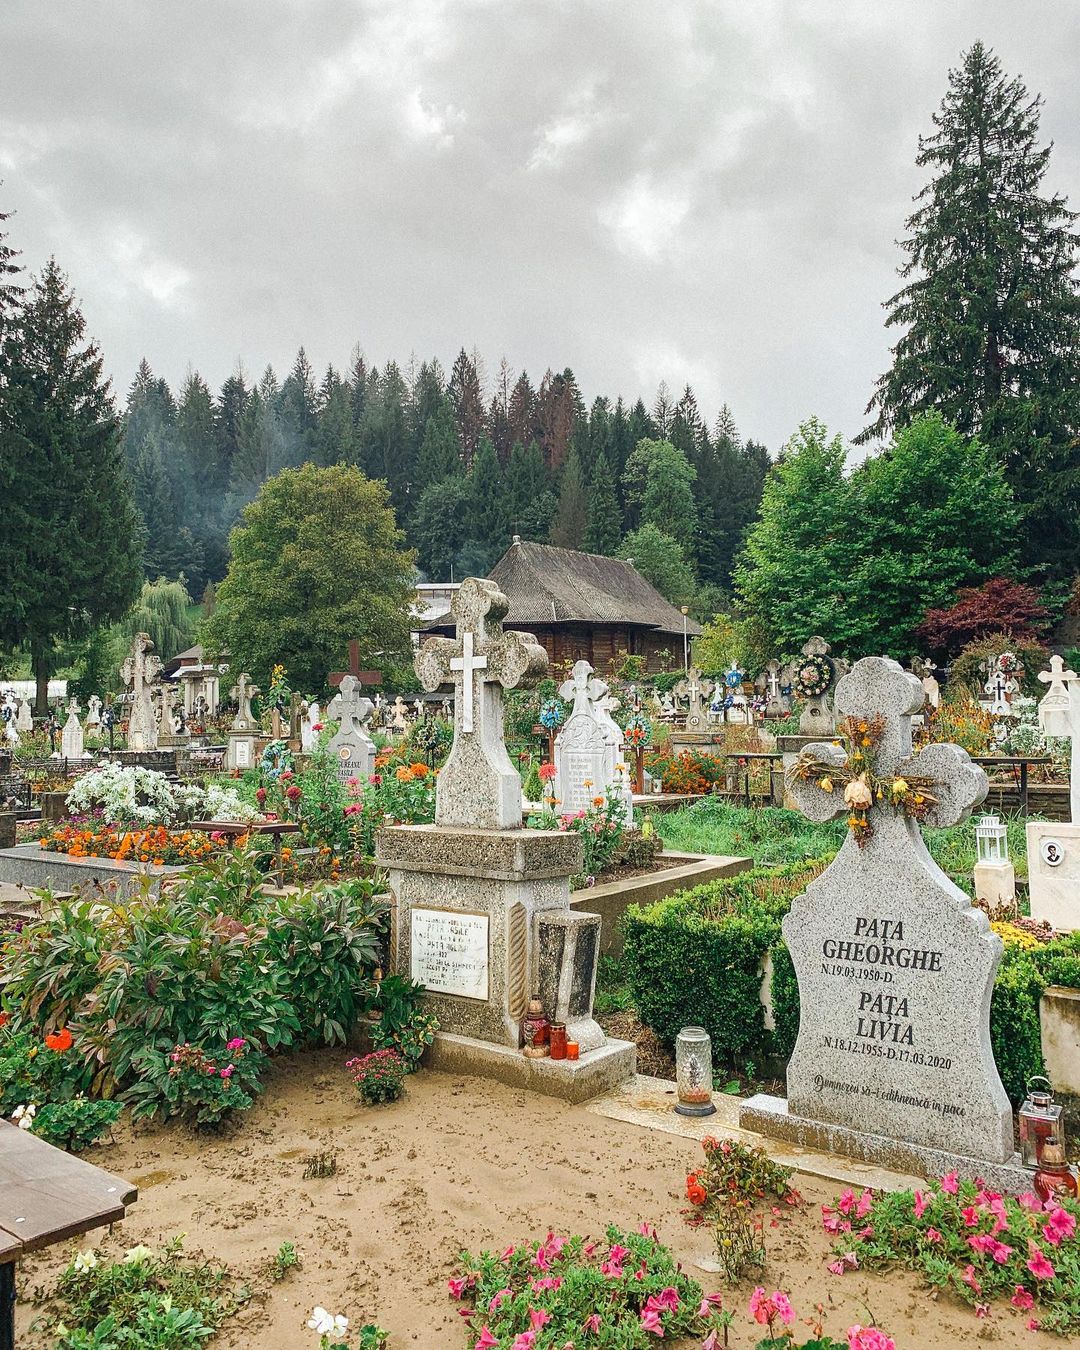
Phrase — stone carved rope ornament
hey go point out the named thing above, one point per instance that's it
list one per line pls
(859, 779)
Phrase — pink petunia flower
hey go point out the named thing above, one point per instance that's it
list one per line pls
(950, 1183)
(921, 1204)
(486, 1340)
(525, 1341)
(538, 1318)
(592, 1322)
(1022, 1298)
(1038, 1264)
(970, 1280)
(932, 1235)
(650, 1321)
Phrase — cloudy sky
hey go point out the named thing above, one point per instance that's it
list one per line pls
(683, 190)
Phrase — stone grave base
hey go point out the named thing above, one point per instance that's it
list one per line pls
(597, 1071)
(770, 1116)
(1054, 891)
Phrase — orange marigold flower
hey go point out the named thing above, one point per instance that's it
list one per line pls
(59, 1040)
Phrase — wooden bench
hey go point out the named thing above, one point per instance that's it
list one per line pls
(47, 1196)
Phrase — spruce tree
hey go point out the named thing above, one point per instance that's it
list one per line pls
(568, 527)
(487, 505)
(603, 530)
(467, 397)
(298, 411)
(335, 436)
(69, 536)
(990, 314)
(11, 291)
(439, 455)
(228, 418)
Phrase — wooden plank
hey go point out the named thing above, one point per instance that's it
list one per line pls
(10, 1247)
(46, 1195)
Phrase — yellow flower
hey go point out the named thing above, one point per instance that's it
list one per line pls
(899, 787)
(825, 784)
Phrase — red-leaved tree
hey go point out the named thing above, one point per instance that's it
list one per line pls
(997, 606)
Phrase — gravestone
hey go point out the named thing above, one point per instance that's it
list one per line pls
(930, 685)
(768, 682)
(351, 749)
(694, 689)
(140, 669)
(399, 716)
(581, 748)
(71, 741)
(25, 719)
(816, 716)
(93, 713)
(893, 1062)
(1053, 848)
(9, 715)
(481, 906)
(245, 732)
(616, 765)
(312, 719)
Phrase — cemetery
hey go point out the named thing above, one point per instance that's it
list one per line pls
(487, 864)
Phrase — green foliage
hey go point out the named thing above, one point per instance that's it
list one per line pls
(379, 1077)
(860, 559)
(604, 526)
(213, 961)
(163, 610)
(660, 560)
(976, 1245)
(286, 1258)
(571, 516)
(968, 671)
(658, 487)
(582, 1282)
(75, 1124)
(148, 1301)
(990, 316)
(69, 536)
(200, 1083)
(768, 834)
(317, 561)
(32, 1073)
(696, 957)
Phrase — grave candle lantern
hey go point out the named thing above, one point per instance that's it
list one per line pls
(992, 841)
(1042, 1140)
(693, 1072)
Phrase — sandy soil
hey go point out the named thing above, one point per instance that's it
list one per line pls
(458, 1163)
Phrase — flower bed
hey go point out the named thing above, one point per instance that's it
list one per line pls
(155, 844)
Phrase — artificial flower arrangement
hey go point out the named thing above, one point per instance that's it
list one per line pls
(638, 731)
(813, 677)
(862, 786)
(551, 714)
(129, 794)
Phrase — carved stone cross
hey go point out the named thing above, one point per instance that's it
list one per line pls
(478, 786)
(583, 688)
(694, 689)
(350, 706)
(895, 966)
(244, 691)
(140, 669)
(816, 716)
(1059, 715)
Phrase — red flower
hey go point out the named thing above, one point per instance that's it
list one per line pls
(292, 792)
(260, 796)
(3, 1019)
(695, 1191)
(59, 1040)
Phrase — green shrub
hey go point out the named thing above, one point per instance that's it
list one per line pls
(75, 1124)
(696, 957)
(203, 1084)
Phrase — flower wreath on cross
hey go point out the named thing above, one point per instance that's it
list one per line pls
(638, 730)
(813, 676)
(862, 787)
(551, 714)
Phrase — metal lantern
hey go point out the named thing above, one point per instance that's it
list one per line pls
(992, 839)
(693, 1072)
(1042, 1126)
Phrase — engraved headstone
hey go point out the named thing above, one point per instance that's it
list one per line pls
(816, 670)
(581, 749)
(1053, 848)
(140, 669)
(71, 741)
(768, 682)
(243, 692)
(896, 967)
(695, 690)
(9, 715)
(450, 952)
(351, 748)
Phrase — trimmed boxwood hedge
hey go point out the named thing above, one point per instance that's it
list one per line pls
(695, 958)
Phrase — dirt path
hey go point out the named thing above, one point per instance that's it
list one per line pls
(458, 1163)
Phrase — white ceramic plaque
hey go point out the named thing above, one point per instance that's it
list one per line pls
(243, 754)
(449, 952)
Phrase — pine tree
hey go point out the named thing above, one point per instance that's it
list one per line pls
(487, 505)
(439, 456)
(335, 437)
(261, 450)
(604, 528)
(198, 482)
(69, 536)
(298, 411)
(228, 418)
(467, 397)
(358, 386)
(662, 412)
(991, 313)
(571, 517)
(522, 413)
(11, 291)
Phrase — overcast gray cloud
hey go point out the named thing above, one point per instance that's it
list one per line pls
(688, 191)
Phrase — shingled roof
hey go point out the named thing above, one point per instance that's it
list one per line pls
(547, 585)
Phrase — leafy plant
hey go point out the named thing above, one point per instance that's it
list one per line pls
(201, 1084)
(568, 1289)
(147, 1301)
(379, 1077)
(971, 1241)
(75, 1124)
(286, 1258)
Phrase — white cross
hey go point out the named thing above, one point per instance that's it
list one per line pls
(467, 663)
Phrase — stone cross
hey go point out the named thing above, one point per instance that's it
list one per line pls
(769, 684)
(1059, 715)
(400, 711)
(140, 669)
(478, 786)
(243, 692)
(25, 719)
(582, 688)
(93, 715)
(350, 745)
(895, 966)
(816, 715)
(693, 688)
(354, 708)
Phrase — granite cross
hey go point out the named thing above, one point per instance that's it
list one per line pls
(816, 716)
(895, 966)
(478, 786)
(244, 691)
(350, 706)
(1059, 715)
(693, 688)
(582, 688)
(140, 669)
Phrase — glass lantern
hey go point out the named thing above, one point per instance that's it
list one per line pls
(992, 840)
(693, 1072)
